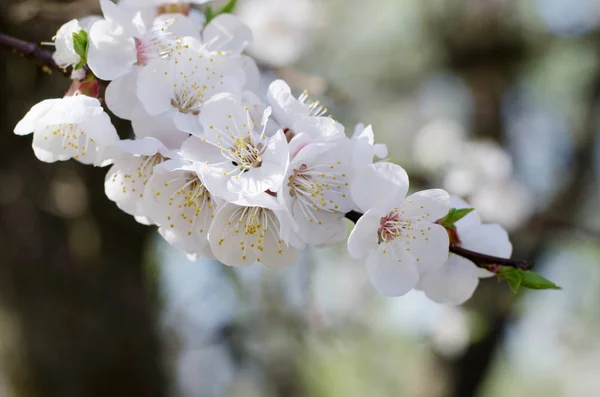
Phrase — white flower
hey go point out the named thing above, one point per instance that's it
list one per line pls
(397, 236)
(317, 191)
(123, 40)
(134, 163)
(71, 127)
(180, 85)
(240, 236)
(65, 55)
(237, 160)
(178, 202)
(301, 115)
(455, 282)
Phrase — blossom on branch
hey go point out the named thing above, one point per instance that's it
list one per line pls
(397, 235)
(72, 127)
(227, 173)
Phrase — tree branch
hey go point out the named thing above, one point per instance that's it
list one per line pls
(484, 261)
(480, 260)
(32, 51)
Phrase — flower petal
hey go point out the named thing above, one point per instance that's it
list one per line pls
(28, 123)
(429, 205)
(121, 96)
(454, 283)
(428, 243)
(112, 52)
(391, 275)
(489, 239)
(379, 186)
(364, 237)
(155, 86)
(227, 33)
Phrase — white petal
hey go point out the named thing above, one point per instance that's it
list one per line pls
(187, 122)
(72, 110)
(144, 146)
(125, 183)
(381, 185)
(225, 241)
(227, 33)
(364, 237)
(122, 16)
(286, 108)
(252, 74)
(322, 129)
(381, 150)
(28, 124)
(159, 127)
(489, 239)
(121, 96)
(430, 205)
(391, 275)
(112, 53)
(177, 201)
(193, 149)
(326, 228)
(177, 24)
(155, 86)
(454, 283)
(428, 243)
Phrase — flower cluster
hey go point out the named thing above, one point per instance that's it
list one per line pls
(225, 173)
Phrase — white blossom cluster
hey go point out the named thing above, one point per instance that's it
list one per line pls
(227, 174)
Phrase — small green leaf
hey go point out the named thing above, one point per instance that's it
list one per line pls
(226, 9)
(514, 283)
(79, 65)
(512, 277)
(533, 280)
(209, 14)
(455, 215)
(517, 278)
(80, 44)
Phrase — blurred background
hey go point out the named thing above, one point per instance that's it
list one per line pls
(494, 100)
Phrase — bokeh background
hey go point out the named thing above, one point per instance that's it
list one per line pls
(494, 100)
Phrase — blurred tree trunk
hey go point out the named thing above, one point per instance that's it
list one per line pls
(78, 318)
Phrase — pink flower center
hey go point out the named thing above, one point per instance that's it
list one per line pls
(391, 226)
(142, 52)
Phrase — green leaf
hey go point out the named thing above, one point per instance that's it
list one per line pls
(532, 280)
(80, 44)
(455, 215)
(512, 276)
(79, 65)
(226, 9)
(209, 14)
(517, 278)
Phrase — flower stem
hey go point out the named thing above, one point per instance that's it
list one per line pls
(486, 261)
(32, 51)
(480, 260)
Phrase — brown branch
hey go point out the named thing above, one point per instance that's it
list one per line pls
(485, 261)
(32, 51)
(480, 260)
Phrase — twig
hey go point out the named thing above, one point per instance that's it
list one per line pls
(480, 260)
(31, 50)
